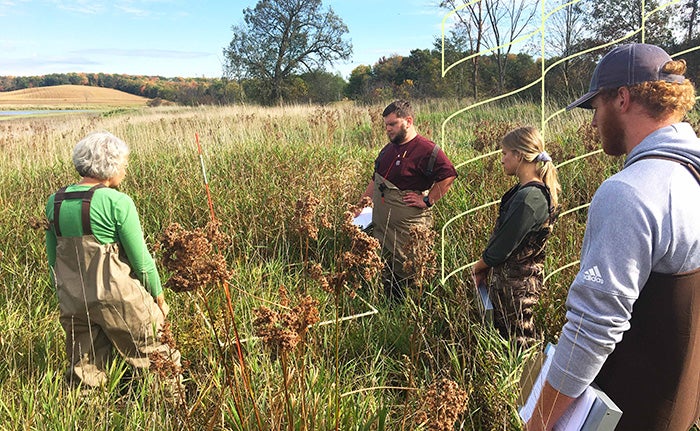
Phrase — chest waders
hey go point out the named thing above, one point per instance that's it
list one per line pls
(102, 304)
(516, 284)
(653, 374)
(392, 219)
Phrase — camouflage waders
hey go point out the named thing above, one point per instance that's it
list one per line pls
(101, 304)
(516, 284)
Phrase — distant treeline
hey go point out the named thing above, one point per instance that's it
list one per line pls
(416, 76)
(188, 91)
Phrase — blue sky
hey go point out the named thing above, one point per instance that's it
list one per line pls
(180, 37)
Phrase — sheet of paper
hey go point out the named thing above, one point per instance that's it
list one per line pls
(529, 407)
(575, 416)
(364, 218)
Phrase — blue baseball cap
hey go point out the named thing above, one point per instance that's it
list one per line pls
(627, 65)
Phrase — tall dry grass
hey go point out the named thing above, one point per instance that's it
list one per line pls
(371, 371)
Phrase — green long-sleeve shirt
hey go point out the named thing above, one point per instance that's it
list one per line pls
(114, 219)
(524, 212)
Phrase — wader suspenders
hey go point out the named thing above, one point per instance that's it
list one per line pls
(86, 196)
(431, 161)
(689, 166)
(428, 170)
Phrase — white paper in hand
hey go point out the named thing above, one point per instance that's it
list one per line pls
(364, 219)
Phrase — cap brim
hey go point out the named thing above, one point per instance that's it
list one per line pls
(583, 101)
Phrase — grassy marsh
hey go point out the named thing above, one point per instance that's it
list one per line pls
(367, 373)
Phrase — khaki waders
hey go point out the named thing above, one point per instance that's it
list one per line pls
(102, 305)
(392, 219)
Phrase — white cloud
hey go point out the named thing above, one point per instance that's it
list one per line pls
(10, 7)
(133, 11)
(88, 7)
(148, 53)
(41, 65)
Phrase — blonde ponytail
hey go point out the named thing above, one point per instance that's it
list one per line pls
(550, 177)
(529, 143)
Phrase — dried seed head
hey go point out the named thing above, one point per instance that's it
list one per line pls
(166, 335)
(305, 216)
(163, 366)
(161, 363)
(270, 328)
(362, 262)
(441, 405)
(193, 256)
(316, 273)
(284, 296)
(282, 332)
(39, 223)
(364, 202)
(421, 259)
(302, 316)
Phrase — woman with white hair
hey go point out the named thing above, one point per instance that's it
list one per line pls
(108, 287)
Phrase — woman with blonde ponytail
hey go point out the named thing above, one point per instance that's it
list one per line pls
(514, 255)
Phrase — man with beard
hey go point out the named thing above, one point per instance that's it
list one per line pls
(411, 173)
(633, 310)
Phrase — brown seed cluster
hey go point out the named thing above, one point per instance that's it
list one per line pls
(193, 256)
(589, 136)
(488, 134)
(441, 405)
(421, 258)
(364, 202)
(283, 331)
(361, 263)
(316, 273)
(39, 223)
(161, 364)
(307, 218)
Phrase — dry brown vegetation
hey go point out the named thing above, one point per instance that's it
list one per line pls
(61, 95)
(274, 174)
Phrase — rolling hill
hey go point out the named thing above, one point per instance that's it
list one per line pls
(70, 95)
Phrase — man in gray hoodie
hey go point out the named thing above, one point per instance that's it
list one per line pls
(633, 310)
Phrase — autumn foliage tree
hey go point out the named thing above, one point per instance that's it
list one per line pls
(281, 38)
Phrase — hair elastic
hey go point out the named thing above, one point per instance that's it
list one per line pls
(543, 157)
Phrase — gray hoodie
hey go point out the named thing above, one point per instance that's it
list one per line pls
(643, 219)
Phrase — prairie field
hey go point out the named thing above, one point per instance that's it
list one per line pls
(280, 181)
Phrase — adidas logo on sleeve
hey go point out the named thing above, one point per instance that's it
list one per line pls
(593, 274)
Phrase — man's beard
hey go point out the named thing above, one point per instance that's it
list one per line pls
(612, 135)
(400, 136)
